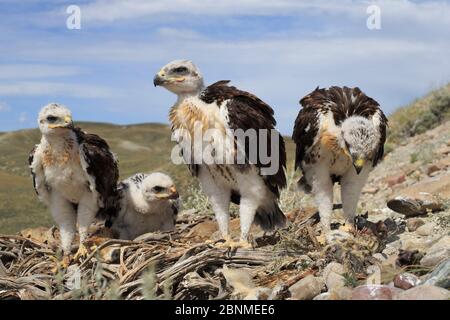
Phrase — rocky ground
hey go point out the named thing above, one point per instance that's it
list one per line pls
(401, 249)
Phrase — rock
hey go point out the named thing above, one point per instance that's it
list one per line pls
(280, 292)
(334, 280)
(408, 258)
(423, 292)
(440, 276)
(412, 241)
(323, 296)
(370, 190)
(342, 293)
(333, 267)
(406, 281)
(303, 262)
(374, 292)
(419, 204)
(337, 236)
(414, 223)
(425, 230)
(437, 186)
(380, 257)
(432, 168)
(443, 150)
(390, 251)
(394, 180)
(259, 293)
(437, 253)
(307, 288)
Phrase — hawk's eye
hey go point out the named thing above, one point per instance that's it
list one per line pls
(52, 119)
(157, 189)
(180, 70)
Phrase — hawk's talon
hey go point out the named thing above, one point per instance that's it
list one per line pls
(61, 264)
(81, 253)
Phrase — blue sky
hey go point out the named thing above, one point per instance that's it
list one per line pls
(280, 50)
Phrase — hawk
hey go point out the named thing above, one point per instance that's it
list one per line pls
(339, 135)
(149, 203)
(74, 174)
(225, 109)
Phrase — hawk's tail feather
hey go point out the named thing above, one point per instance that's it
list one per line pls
(271, 218)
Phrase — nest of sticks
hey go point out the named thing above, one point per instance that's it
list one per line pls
(179, 265)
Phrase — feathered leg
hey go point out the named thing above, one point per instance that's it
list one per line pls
(351, 186)
(65, 217)
(220, 201)
(322, 188)
(87, 209)
(247, 214)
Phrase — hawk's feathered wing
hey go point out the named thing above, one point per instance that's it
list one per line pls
(342, 103)
(37, 173)
(246, 111)
(102, 168)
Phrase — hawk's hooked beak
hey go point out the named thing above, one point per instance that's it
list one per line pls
(68, 123)
(159, 79)
(359, 165)
(172, 194)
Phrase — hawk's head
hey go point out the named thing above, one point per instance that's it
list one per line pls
(55, 119)
(158, 186)
(180, 77)
(361, 139)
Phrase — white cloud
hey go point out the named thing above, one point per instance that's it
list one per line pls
(55, 88)
(112, 10)
(34, 71)
(4, 107)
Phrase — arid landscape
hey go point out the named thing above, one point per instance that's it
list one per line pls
(401, 249)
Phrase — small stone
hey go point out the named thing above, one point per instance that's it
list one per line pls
(259, 293)
(373, 292)
(370, 190)
(342, 293)
(423, 292)
(334, 280)
(414, 223)
(337, 236)
(425, 230)
(333, 267)
(390, 251)
(432, 168)
(420, 204)
(307, 288)
(440, 276)
(394, 180)
(406, 281)
(437, 253)
(443, 150)
(323, 296)
(303, 262)
(280, 292)
(380, 257)
(408, 258)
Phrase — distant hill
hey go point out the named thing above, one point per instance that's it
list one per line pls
(140, 148)
(421, 115)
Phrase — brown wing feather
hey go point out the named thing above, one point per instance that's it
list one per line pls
(246, 111)
(33, 174)
(103, 166)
